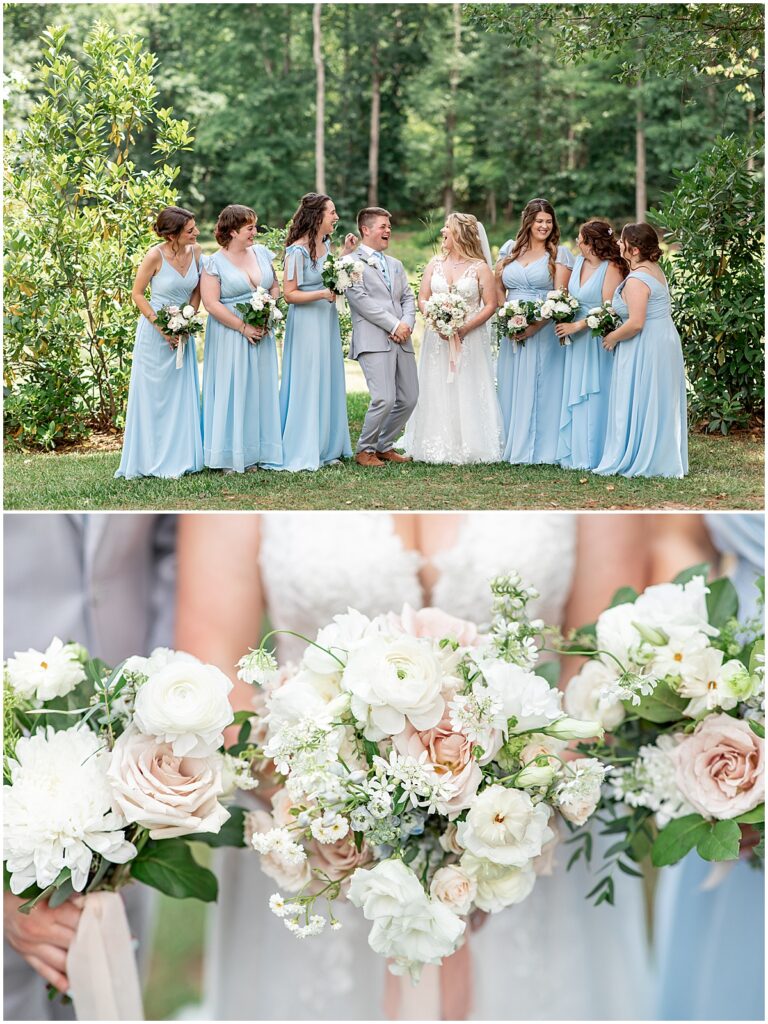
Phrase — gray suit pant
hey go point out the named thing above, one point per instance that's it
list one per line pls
(394, 386)
(25, 996)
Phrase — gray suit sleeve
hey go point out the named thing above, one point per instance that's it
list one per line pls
(163, 583)
(407, 301)
(366, 307)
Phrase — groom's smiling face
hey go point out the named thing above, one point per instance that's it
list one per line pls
(377, 234)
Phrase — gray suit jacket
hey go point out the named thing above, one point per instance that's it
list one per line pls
(104, 580)
(377, 309)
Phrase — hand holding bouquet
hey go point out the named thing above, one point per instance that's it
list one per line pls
(445, 313)
(178, 322)
(261, 310)
(423, 772)
(341, 272)
(560, 307)
(514, 317)
(602, 320)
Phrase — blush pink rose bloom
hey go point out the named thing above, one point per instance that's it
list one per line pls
(451, 754)
(720, 767)
(338, 860)
(167, 794)
(434, 624)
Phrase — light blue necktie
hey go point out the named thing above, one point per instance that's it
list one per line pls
(384, 268)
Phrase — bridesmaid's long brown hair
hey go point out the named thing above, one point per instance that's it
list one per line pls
(523, 241)
(306, 221)
(600, 238)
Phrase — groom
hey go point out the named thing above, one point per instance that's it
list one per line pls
(383, 314)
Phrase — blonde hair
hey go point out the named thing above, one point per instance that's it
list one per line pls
(466, 237)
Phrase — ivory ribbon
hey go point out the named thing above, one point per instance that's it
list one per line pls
(341, 304)
(180, 353)
(101, 965)
(718, 874)
(442, 993)
(454, 356)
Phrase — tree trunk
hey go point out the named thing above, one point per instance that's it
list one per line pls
(750, 129)
(373, 143)
(317, 55)
(493, 213)
(641, 197)
(451, 117)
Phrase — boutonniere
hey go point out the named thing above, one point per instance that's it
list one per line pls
(372, 261)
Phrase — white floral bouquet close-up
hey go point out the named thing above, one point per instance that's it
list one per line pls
(178, 322)
(514, 317)
(261, 310)
(559, 306)
(603, 319)
(424, 770)
(446, 312)
(677, 681)
(341, 272)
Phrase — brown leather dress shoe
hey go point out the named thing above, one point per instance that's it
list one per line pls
(368, 459)
(392, 456)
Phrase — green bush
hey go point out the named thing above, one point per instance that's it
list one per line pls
(715, 216)
(78, 216)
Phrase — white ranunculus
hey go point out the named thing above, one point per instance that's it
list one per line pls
(546, 309)
(185, 704)
(454, 888)
(524, 696)
(339, 637)
(57, 811)
(188, 312)
(583, 698)
(676, 609)
(169, 795)
(177, 323)
(617, 635)
(306, 695)
(505, 826)
(43, 675)
(159, 658)
(394, 680)
(498, 885)
(385, 890)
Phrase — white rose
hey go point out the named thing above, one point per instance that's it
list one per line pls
(504, 826)
(524, 696)
(616, 633)
(306, 695)
(498, 885)
(338, 638)
(185, 704)
(277, 314)
(593, 322)
(386, 890)
(188, 312)
(54, 672)
(173, 310)
(676, 609)
(583, 698)
(171, 796)
(421, 937)
(554, 294)
(454, 888)
(394, 680)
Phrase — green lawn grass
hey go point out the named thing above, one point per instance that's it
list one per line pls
(725, 473)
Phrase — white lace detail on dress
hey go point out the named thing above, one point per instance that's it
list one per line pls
(458, 422)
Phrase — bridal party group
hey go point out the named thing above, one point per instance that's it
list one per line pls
(566, 390)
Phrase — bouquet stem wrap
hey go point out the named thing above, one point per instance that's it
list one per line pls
(454, 356)
(180, 353)
(101, 965)
(442, 993)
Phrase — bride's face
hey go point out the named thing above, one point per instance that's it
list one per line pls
(449, 242)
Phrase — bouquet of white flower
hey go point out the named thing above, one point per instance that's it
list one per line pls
(446, 312)
(560, 307)
(179, 322)
(341, 272)
(513, 318)
(108, 774)
(423, 773)
(679, 683)
(603, 319)
(261, 310)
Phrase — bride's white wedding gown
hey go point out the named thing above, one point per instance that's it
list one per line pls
(457, 422)
(553, 956)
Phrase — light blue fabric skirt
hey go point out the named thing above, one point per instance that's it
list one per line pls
(584, 410)
(162, 427)
(532, 390)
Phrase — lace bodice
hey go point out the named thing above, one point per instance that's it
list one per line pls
(468, 285)
(314, 567)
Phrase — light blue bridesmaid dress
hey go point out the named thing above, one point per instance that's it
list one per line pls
(162, 426)
(530, 376)
(241, 416)
(711, 944)
(313, 399)
(587, 380)
(647, 430)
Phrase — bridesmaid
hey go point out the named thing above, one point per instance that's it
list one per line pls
(530, 376)
(162, 426)
(646, 432)
(597, 273)
(241, 419)
(313, 401)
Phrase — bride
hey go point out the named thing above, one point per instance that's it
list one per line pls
(555, 956)
(458, 419)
